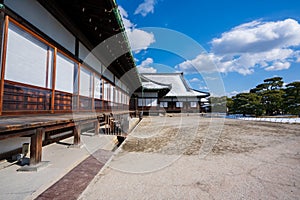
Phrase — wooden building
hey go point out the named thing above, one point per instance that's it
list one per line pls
(47, 63)
(60, 57)
(168, 92)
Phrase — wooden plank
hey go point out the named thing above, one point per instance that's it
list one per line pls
(36, 146)
(60, 126)
(7, 135)
(31, 122)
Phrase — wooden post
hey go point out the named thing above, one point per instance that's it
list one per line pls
(78, 86)
(36, 146)
(107, 127)
(93, 93)
(53, 80)
(3, 60)
(97, 127)
(102, 95)
(77, 132)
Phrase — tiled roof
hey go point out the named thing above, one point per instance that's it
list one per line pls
(179, 88)
(153, 85)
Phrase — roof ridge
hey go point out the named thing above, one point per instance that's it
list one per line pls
(164, 84)
(163, 73)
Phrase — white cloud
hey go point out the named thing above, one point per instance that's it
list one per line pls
(233, 93)
(278, 66)
(297, 56)
(202, 63)
(210, 78)
(203, 88)
(145, 8)
(268, 45)
(258, 37)
(145, 67)
(194, 80)
(127, 23)
(138, 39)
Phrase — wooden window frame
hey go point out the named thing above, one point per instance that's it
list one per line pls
(120, 92)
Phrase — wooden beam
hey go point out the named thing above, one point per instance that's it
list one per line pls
(93, 92)
(12, 134)
(47, 66)
(61, 126)
(102, 95)
(36, 146)
(78, 86)
(3, 60)
(53, 80)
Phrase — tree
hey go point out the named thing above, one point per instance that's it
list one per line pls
(247, 103)
(272, 101)
(292, 98)
(218, 104)
(229, 105)
(267, 98)
(274, 83)
(271, 94)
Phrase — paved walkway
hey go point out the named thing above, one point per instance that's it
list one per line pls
(73, 183)
(68, 173)
(68, 167)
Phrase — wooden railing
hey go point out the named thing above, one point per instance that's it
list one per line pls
(20, 98)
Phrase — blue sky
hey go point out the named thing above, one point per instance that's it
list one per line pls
(244, 42)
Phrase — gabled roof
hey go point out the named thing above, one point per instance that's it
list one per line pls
(153, 85)
(180, 88)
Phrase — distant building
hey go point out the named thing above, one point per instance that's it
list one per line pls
(168, 92)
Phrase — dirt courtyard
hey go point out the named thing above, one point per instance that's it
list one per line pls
(194, 157)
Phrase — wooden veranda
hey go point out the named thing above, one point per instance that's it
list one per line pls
(46, 129)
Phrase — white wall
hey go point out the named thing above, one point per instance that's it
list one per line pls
(37, 15)
(147, 94)
(108, 74)
(89, 58)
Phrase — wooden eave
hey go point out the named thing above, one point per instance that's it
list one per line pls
(93, 22)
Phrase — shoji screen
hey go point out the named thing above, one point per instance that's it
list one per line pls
(28, 60)
(66, 72)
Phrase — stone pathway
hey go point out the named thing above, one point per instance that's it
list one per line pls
(74, 183)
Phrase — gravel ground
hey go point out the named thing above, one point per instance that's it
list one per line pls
(192, 157)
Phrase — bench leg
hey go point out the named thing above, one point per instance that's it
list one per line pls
(97, 127)
(36, 146)
(77, 132)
